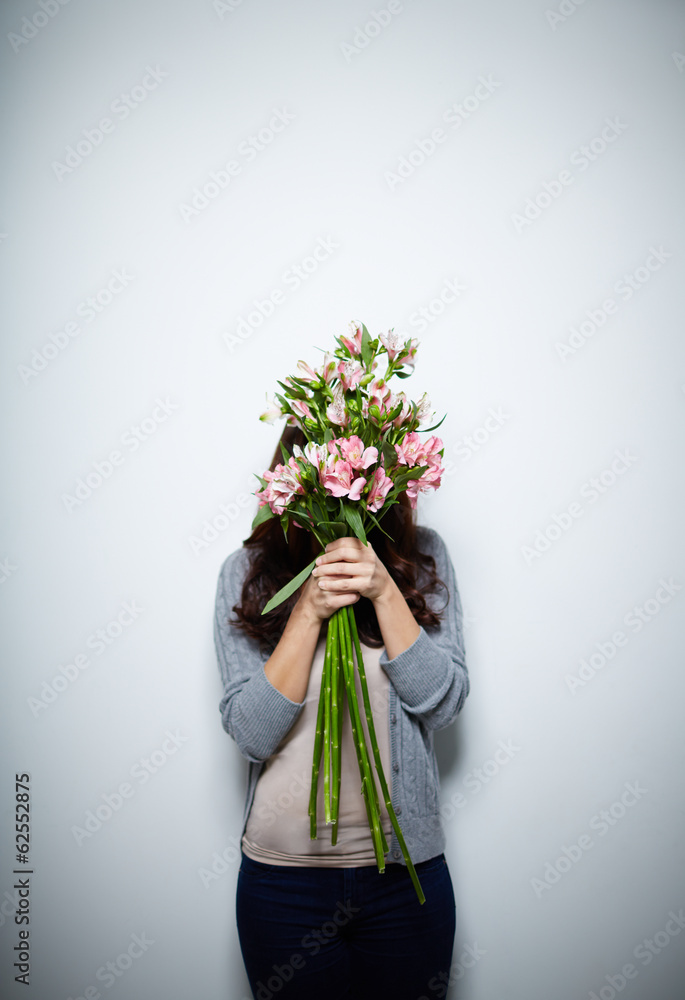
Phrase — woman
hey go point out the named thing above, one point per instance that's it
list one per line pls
(317, 920)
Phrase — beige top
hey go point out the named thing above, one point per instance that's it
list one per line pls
(277, 830)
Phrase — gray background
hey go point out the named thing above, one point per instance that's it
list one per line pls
(557, 73)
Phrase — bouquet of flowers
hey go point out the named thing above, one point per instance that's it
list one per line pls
(363, 450)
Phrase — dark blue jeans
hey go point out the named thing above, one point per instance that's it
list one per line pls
(352, 933)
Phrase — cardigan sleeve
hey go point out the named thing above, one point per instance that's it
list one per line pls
(253, 711)
(430, 676)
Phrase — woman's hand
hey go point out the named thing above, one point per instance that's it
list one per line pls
(346, 571)
(349, 567)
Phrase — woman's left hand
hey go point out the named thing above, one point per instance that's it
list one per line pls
(349, 565)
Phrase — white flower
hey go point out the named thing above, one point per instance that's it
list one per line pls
(425, 412)
(272, 413)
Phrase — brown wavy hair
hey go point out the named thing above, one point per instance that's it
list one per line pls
(274, 560)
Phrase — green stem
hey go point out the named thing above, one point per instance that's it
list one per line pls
(368, 783)
(326, 684)
(336, 719)
(318, 749)
(352, 626)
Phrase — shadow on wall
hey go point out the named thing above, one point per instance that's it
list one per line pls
(449, 749)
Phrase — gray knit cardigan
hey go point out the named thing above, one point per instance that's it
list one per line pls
(428, 685)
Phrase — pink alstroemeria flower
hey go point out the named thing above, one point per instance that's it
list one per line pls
(410, 451)
(380, 487)
(378, 390)
(424, 410)
(354, 346)
(430, 480)
(300, 407)
(400, 397)
(392, 342)
(315, 453)
(335, 411)
(282, 485)
(351, 373)
(327, 370)
(307, 373)
(336, 478)
(431, 451)
(353, 451)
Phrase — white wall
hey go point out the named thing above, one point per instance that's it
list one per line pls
(555, 82)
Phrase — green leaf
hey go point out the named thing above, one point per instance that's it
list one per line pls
(290, 588)
(367, 352)
(283, 403)
(403, 478)
(284, 452)
(302, 382)
(377, 522)
(354, 519)
(400, 374)
(389, 455)
(293, 391)
(264, 513)
(337, 529)
(427, 430)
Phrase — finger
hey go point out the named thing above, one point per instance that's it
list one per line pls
(342, 584)
(346, 555)
(344, 570)
(341, 548)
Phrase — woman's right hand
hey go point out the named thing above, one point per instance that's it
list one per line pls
(317, 604)
(288, 667)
